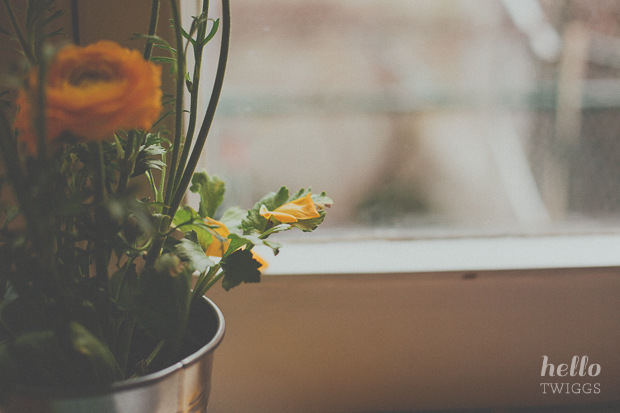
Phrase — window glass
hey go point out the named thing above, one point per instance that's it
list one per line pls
(426, 114)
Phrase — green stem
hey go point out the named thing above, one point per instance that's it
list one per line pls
(198, 49)
(148, 49)
(101, 261)
(208, 119)
(127, 163)
(205, 283)
(150, 358)
(20, 37)
(180, 84)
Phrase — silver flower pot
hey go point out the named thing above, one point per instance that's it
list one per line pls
(182, 387)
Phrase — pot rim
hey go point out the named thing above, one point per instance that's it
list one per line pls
(143, 381)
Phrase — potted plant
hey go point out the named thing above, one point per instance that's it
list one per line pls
(102, 293)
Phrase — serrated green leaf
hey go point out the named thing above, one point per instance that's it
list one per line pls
(233, 217)
(211, 190)
(239, 267)
(276, 229)
(309, 225)
(322, 200)
(187, 219)
(189, 249)
(238, 241)
(273, 245)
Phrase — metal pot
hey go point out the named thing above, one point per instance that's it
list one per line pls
(182, 387)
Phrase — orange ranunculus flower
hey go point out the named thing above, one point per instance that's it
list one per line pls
(92, 92)
(217, 248)
(301, 208)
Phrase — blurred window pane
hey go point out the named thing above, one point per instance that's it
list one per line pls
(427, 114)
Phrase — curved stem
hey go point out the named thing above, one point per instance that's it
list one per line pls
(208, 119)
(148, 49)
(198, 47)
(180, 83)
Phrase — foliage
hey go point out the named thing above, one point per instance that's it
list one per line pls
(85, 265)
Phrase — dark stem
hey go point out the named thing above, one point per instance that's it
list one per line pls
(75, 22)
(148, 49)
(20, 37)
(127, 163)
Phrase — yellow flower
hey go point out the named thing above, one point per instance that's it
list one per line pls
(301, 208)
(92, 92)
(261, 260)
(218, 247)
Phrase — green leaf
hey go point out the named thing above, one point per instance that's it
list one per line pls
(163, 59)
(156, 40)
(98, 360)
(187, 219)
(254, 221)
(189, 249)
(211, 190)
(162, 303)
(239, 267)
(276, 229)
(233, 217)
(250, 240)
(188, 37)
(309, 225)
(216, 24)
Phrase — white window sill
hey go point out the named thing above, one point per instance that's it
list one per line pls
(380, 256)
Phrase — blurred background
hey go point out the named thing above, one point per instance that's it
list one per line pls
(487, 115)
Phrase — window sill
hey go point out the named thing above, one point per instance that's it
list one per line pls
(380, 256)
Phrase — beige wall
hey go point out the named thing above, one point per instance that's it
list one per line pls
(402, 342)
